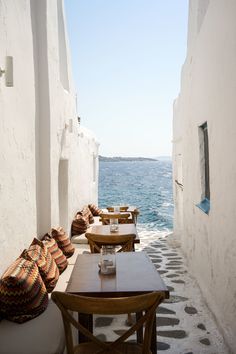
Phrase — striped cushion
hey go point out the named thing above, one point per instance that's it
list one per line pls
(48, 269)
(79, 225)
(87, 214)
(63, 241)
(56, 253)
(95, 210)
(23, 294)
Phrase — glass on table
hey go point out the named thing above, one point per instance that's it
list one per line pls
(116, 209)
(114, 225)
(108, 260)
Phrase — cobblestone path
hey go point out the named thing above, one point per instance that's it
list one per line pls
(184, 323)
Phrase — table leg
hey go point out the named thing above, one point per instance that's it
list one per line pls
(86, 321)
(154, 337)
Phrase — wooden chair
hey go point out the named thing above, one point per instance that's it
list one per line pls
(133, 211)
(122, 208)
(145, 305)
(122, 218)
(126, 242)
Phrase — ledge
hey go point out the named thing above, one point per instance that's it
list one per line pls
(204, 205)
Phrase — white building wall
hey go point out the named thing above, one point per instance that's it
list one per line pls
(17, 132)
(46, 158)
(208, 92)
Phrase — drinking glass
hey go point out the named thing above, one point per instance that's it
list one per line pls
(114, 225)
(108, 260)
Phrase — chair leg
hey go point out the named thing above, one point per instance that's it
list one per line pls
(129, 320)
(154, 338)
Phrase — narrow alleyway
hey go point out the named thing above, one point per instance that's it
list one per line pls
(184, 323)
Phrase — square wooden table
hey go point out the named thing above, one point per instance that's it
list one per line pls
(123, 229)
(135, 275)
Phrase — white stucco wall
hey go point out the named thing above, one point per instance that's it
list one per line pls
(208, 92)
(17, 136)
(46, 168)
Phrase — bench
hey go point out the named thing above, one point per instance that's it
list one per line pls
(45, 333)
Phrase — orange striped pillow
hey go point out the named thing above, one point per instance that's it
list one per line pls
(86, 213)
(56, 253)
(95, 210)
(23, 294)
(48, 269)
(63, 241)
(79, 225)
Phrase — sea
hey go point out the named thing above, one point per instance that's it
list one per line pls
(144, 184)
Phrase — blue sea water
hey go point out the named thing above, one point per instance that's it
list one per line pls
(144, 184)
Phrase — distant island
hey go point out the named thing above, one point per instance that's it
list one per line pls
(119, 159)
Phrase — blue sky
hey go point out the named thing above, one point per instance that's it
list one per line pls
(126, 59)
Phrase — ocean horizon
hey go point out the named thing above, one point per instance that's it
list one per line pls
(144, 184)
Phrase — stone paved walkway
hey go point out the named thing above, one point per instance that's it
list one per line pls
(184, 323)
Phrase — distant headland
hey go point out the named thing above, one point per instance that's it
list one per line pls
(119, 159)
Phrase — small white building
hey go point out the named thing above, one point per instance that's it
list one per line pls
(204, 145)
(48, 162)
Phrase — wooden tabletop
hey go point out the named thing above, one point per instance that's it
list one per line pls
(135, 274)
(124, 229)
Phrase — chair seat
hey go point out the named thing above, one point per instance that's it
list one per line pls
(123, 348)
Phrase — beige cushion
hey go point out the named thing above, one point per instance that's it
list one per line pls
(97, 220)
(42, 335)
(80, 239)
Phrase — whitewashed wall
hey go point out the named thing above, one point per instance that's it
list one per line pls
(208, 91)
(46, 157)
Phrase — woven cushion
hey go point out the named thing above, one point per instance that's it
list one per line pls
(86, 213)
(63, 241)
(95, 210)
(56, 253)
(23, 294)
(48, 269)
(79, 225)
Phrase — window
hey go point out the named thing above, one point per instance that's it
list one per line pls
(204, 168)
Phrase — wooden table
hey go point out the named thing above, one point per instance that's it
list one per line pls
(124, 229)
(135, 275)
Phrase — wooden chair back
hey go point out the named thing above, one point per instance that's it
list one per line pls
(145, 305)
(126, 242)
(122, 208)
(122, 217)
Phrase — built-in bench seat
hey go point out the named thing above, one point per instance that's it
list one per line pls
(45, 333)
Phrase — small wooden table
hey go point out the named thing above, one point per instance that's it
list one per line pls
(135, 275)
(124, 229)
